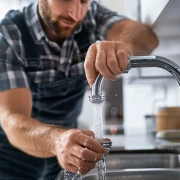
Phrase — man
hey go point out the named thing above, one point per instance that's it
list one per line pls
(42, 82)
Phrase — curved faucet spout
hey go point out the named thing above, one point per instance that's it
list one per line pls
(136, 62)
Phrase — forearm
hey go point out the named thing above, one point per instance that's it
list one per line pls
(31, 135)
(139, 38)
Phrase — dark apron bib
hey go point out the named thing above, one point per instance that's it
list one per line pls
(59, 102)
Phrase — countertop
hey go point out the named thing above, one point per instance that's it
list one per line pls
(133, 141)
(139, 140)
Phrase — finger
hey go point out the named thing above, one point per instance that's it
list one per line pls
(101, 65)
(72, 168)
(113, 63)
(86, 154)
(83, 165)
(90, 143)
(89, 64)
(76, 169)
(122, 59)
(89, 133)
(83, 171)
(77, 162)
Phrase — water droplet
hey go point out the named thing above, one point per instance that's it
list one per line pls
(102, 169)
(85, 142)
(77, 162)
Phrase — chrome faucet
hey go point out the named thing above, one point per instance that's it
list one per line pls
(136, 62)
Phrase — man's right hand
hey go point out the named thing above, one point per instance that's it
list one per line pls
(78, 151)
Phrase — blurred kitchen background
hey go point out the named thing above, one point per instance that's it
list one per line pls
(135, 98)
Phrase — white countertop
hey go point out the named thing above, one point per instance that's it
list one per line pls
(132, 142)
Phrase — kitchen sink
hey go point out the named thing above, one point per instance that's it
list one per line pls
(130, 159)
(138, 174)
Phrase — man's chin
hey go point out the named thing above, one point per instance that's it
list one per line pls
(63, 32)
(62, 36)
(65, 35)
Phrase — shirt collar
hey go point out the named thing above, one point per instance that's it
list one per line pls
(33, 21)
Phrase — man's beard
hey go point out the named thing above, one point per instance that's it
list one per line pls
(54, 25)
(57, 30)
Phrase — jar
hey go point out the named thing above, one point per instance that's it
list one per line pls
(168, 118)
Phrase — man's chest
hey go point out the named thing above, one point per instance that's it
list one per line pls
(54, 62)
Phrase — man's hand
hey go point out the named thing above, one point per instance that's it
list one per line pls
(78, 151)
(109, 58)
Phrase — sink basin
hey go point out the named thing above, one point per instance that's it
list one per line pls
(138, 174)
(142, 159)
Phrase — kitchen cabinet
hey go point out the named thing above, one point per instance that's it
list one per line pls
(164, 18)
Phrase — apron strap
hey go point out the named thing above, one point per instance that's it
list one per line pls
(27, 40)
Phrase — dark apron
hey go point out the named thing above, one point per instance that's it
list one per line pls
(58, 102)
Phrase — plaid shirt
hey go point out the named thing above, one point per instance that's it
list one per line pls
(55, 62)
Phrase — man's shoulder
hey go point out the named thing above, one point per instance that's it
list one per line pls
(10, 35)
(9, 16)
(8, 26)
(93, 7)
(96, 9)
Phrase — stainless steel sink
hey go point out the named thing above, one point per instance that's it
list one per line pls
(138, 174)
(142, 159)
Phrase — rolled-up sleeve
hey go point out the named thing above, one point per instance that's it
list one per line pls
(105, 20)
(12, 74)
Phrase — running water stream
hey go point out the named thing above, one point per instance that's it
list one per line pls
(67, 175)
(98, 130)
(98, 123)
